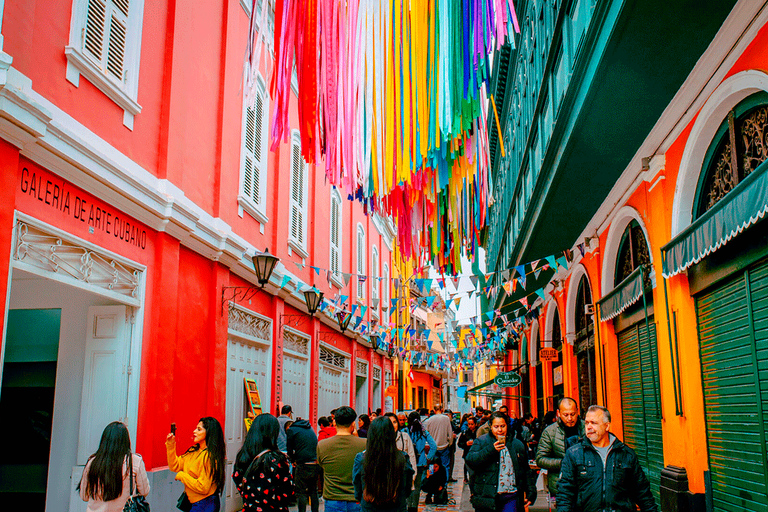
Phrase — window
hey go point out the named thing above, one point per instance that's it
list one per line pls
(361, 277)
(105, 46)
(375, 281)
(336, 237)
(298, 227)
(253, 160)
(385, 293)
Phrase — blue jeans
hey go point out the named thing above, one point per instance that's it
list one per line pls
(507, 502)
(209, 504)
(445, 460)
(341, 506)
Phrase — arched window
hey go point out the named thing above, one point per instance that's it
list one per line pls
(633, 252)
(738, 147)
(584, 346)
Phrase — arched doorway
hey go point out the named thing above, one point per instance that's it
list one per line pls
(584, 346)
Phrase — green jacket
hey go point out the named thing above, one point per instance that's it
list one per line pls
(551, 452)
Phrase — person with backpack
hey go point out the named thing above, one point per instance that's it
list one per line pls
(113, 474)
(261, 473)
(426, 449)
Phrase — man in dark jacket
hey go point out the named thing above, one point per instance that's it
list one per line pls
(552, 444)
(602, 473)
(302, 450)
(485, 458)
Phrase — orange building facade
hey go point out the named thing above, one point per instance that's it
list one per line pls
(663, 318)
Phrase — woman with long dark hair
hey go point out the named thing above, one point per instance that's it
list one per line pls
(106, 481)
(363, 423)
(262, 474)
(381, 474)
(201, 467)
(426, 449)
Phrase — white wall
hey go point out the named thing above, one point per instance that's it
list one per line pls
(31, 292)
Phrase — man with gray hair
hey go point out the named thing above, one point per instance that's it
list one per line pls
(601, 474)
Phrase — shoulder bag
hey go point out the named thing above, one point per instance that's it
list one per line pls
(136, 503)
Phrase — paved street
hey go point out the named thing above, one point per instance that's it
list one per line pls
(459, 492)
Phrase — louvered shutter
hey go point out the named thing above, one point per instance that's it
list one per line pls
(104, 37)
(375, 274)
(732, 319)
(297, 195)
(360, 249)
(254, 168)
(335, 234)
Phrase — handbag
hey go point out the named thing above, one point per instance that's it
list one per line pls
(183, 503)
(136, 503)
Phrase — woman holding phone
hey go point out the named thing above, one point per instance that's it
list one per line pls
(502, 479)
(201, 467)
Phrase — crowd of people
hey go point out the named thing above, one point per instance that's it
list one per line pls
(383, 463)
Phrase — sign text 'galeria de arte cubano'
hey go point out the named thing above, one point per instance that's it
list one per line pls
(66, 198)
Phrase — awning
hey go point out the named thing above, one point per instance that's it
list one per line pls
(484, 384)
(743, 206)
(624, 295)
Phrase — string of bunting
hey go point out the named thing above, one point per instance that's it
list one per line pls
(392, 100)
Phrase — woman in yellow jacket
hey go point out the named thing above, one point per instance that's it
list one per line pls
(201, 467)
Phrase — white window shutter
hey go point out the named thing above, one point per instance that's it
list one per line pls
(298, 206)
(93, 42)
(335, 234)
(360, 262)
(105, 35)
(249, 188)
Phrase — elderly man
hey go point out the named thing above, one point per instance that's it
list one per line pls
(552, 444)
(602, 473)
(441, 429)
(402, 419)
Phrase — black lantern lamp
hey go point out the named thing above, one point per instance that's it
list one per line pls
(313, 297)
(343, 320)
(265, 264)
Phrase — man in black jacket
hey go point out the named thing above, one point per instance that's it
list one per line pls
(601, 473)
(302, 450)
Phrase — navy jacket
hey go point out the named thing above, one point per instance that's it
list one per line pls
(586, 486)
(302, 442)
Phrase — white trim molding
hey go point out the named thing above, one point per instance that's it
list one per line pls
(578, 272)
(616, 230)
(728, 94)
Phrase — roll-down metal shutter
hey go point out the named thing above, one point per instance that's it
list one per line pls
(733, 341)
(640, 402)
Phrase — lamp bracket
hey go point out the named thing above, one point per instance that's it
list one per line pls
(293, 320)
(237, 293)
(326, 336)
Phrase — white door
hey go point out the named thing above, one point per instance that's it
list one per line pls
(245, 359)
(296, 351)
(376, 388)
(296, 385)
(361, 387)
(105, 376)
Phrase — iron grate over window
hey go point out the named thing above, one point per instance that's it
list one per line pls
(332, 358)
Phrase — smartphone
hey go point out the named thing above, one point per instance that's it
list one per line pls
(173, 428)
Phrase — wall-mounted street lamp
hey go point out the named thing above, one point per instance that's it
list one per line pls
(313, 297)
(264, 264)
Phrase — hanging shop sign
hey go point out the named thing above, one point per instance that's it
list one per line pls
(548, 354)
(508, 380)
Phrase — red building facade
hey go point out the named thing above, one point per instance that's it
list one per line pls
(137, 186)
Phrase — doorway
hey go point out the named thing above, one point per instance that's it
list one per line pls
(28, 390)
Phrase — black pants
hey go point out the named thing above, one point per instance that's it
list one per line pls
(305, 478)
